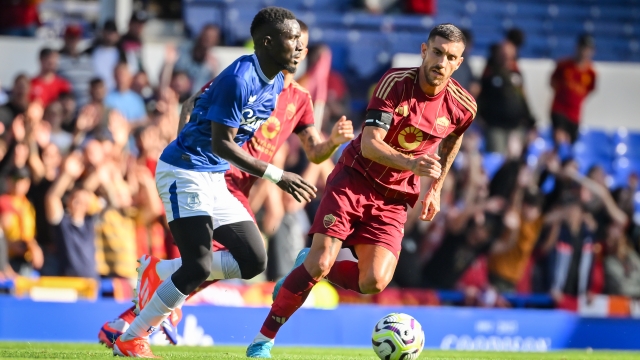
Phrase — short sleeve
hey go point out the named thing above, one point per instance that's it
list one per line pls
(226, 101)
(305, 119)
(65, 86)
(464, 124)
(138, 109)
(385, 94)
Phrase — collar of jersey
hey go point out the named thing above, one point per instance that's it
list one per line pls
(259, 70)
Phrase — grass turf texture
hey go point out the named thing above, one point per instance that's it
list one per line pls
(22, 350)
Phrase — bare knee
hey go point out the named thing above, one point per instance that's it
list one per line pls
(318, 268)
(373, 284)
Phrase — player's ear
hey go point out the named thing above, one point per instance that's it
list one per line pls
(460, 60)
(423, 49)
(303, 54)
(267, 42)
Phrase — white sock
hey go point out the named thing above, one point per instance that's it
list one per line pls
(166, 298)
(261, 338)
(224, 266)
(166, 268)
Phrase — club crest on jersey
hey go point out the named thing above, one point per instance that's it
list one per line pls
(410, 138)
(329, 220)
(290, 112)
(270, 128)
(193, 200)
(402, 110)
(442, 124)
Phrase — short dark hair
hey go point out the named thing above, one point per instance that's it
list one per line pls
(95, 81)
(516, 37)
(449, 32)
(303, 26)
(270, 16)
(46, 52)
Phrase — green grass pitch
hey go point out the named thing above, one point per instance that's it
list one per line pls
(23, 350)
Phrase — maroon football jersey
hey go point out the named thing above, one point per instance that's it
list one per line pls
(419, 123)
(293, 113)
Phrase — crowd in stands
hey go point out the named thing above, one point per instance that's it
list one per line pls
(80, 140)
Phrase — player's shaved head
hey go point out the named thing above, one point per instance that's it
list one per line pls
(449, 32)
(269, 19)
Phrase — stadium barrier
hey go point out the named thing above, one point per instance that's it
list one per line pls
(348, 325)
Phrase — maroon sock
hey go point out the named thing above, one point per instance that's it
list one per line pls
(128, 315)
(346, 275)
(294, 291)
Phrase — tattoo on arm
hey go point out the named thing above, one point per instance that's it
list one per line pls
(316, 150)
(185, 112)
(449, 148)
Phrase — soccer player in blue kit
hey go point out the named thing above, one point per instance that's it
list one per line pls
(190, 175)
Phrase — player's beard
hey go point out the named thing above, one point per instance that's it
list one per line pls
(431, 79)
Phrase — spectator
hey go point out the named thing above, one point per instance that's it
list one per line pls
(131, 42)
(464, 75)
(517, 37)
(123, 99)
(18, 100)
(573, 80)
(196, 59)
(502, 103)
(507, 267)
(621, 265)
(140, 85)
(17, 218)
(181, 85)
(69, 111)
(53, 119)
(74, 229)
(573, 256)
(75, 66)
(19, 17)
(47, 85)
(106, 54)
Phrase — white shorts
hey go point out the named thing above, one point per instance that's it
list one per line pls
(186, 193)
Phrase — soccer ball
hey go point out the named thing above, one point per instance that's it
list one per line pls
(397, 337)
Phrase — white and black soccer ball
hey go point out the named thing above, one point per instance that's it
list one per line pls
(398, 337)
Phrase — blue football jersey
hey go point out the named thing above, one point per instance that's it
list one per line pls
(241, 97)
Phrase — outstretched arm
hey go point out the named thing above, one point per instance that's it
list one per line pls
(223, 145)
(317, 150)
(448, 151)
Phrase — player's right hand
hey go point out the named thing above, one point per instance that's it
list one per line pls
(427, 165)
(295, 185)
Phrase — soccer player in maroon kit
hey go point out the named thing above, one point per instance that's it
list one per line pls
(364, 207)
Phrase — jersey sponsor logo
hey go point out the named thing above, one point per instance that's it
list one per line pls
(250, 121)
(442, 124)
(328, 220)
(270, 128)
(410, 138)
(402, 110)
(193, 200)
(291, 111)
(252, 98)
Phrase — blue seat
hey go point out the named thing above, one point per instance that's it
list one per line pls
(197, 15)
(628, 145)
(622, 168)
(491, 163)
(367, 51)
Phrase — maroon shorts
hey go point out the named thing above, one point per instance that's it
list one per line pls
(353, 211)
(235, 191)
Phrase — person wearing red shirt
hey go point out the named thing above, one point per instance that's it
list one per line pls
(364, 206)
(47, 86)
(573, 80)
(293, 114)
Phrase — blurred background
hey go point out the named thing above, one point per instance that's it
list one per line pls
(541, 210)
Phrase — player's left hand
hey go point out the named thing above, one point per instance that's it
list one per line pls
(430, 205)
(342, 131)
